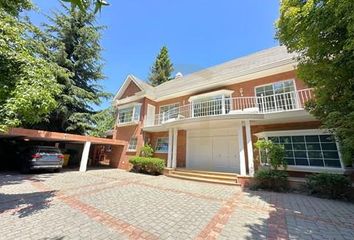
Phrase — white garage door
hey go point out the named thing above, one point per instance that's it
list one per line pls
(212, 152)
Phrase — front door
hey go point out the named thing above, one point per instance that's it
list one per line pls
(225, 152)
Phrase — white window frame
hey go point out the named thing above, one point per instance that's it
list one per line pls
(225, 93)
(129, 149)
(157, 142)
(307, 132)
(281, 81)
(136, 115)
(176, 104)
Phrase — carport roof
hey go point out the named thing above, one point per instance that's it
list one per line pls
(57, 136)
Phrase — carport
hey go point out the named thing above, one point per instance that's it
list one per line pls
(112, 156)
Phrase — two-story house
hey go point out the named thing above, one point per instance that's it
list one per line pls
(209, 120)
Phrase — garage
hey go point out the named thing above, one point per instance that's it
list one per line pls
(78, 151)
(213, 150)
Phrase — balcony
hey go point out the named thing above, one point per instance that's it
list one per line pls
(281, 102)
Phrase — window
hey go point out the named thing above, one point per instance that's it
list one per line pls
(162, 145)
(132, 144)
(129, 114)
(309, 150)
(169, 111)
(210, 106)
(278, 96)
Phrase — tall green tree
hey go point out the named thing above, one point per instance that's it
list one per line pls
(162, 69)
(27, 79)
(74, 41)
(322, 33)
(103, 121)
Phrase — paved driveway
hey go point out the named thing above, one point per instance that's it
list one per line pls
(114, 204)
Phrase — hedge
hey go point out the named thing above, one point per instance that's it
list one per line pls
(147, 165)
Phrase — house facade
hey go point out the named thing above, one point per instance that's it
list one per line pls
(209, 120)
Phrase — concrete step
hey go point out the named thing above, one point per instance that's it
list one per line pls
(201, 179)
(206, 175)
(206, 172)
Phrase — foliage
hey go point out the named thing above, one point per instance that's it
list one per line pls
(328, 185)
(84, 4)
(273, 153)
(148, 165)
(146, 151)
(103, 121)
(271, 179)
(321, 32)
(74, 41)
(162, 69)
(27, 80)
(14, 7)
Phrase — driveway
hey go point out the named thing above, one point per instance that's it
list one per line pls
(115, 204)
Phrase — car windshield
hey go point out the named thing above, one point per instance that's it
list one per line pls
(48, 150)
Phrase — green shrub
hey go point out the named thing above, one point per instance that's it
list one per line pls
(146, 151)
(147, 165)
(270, 179)
(328, 185)
(273, 154)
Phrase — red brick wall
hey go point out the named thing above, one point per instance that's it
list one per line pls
(130, 90)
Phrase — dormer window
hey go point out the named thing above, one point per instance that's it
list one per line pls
(129, 113)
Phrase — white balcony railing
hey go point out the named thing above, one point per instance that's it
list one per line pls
(239, 105)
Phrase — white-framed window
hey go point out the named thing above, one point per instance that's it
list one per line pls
(169, 111)
(211, 103)
(308, 149)
(132, 144)
(129, 114)
(276, 96)
(161, 145)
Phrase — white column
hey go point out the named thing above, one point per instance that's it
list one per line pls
(242, 151)
(249, 148)
(223, 104)
(85, 156)
(169, 156)
(174, 148)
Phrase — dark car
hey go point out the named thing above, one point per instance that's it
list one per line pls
(41, 157)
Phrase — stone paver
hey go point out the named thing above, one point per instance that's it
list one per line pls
(115, 204)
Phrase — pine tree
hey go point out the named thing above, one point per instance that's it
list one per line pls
(74, 40)
(162, 69)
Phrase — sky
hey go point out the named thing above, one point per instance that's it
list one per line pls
(198, 33)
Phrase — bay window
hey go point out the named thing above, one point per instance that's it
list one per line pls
(129, 114)
(211, 104)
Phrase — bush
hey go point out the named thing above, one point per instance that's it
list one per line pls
(329, 185)
(273, 153)
(147, 165)
(271, 179)
(146, 151)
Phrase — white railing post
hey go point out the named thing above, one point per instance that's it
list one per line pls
(262, 102)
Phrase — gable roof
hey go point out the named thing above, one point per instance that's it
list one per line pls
(143, 86)
(263, 63)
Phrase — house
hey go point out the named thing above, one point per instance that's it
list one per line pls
(209, 120)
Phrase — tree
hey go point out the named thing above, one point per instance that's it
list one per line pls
(322, 33)
(162, 69)
(74, 41)
(83, 4)
(27, 79)
(103, 121)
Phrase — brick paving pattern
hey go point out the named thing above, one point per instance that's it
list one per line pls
(115, 204)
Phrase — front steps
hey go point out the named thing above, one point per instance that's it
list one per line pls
(204, 176)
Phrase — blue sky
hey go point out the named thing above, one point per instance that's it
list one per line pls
(198, 33)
